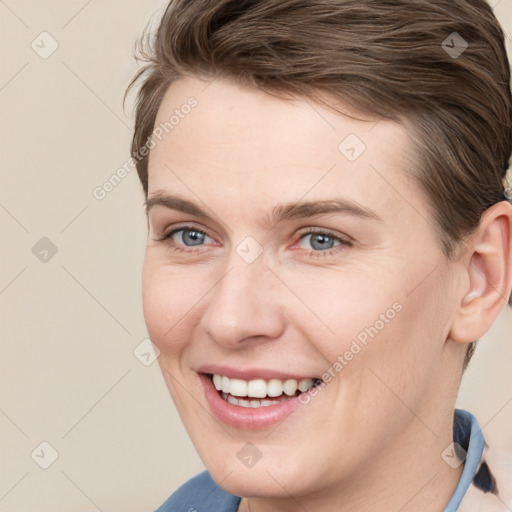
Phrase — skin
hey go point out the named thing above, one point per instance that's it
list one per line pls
(372, 438)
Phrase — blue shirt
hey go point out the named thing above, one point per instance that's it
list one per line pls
(202, 494)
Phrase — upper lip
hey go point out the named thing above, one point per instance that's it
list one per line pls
(250, 373)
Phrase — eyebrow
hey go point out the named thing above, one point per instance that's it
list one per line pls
(281, 212)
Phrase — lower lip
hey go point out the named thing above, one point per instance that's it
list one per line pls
(244, 417)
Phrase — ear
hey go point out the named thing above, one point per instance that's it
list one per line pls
(489, 271)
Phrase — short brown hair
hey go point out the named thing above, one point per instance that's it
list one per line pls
(439, 65)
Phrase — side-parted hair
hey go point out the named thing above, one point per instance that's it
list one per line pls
(438, 67)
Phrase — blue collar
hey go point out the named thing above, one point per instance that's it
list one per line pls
(468, 435)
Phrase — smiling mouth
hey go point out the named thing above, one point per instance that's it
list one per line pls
(260, 392)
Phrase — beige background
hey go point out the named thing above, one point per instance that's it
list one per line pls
(69, 326)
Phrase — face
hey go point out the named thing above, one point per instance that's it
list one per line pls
(287, 245)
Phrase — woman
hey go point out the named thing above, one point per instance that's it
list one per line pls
(329, 234)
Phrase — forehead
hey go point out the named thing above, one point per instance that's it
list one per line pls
(261, 148)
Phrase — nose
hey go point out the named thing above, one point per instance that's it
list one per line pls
(244, 305)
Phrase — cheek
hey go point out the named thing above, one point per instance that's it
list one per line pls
(407, 349)
(368, 325)
(346, 309)
(169, 301)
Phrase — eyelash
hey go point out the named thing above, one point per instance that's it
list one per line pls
(166, 237)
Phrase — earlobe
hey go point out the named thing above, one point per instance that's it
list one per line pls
(489, 271)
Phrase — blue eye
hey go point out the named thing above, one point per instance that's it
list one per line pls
(190, 237)
(321, 241)
(184, 237)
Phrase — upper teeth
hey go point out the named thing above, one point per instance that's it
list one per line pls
(260, 388)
